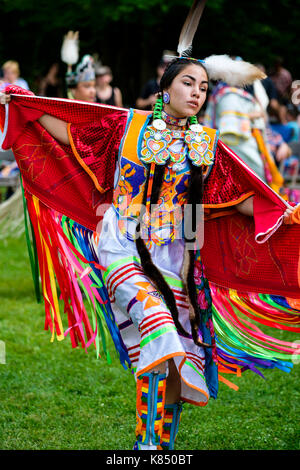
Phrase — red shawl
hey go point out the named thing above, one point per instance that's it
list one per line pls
(256, 254)
(71, 184)
(250, 254)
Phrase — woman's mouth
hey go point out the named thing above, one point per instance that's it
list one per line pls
(193, 104)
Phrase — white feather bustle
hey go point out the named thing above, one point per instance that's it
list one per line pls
(70, 48)
(233, 72)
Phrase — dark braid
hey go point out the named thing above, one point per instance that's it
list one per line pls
(148, 266)
(195, 192)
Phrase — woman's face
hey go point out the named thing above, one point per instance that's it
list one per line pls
(85, 91)
(104, 79)
(10, 75)
(187, 92)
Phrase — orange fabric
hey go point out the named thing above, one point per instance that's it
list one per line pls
(228, 383)
(209, 214)
(230, 203)
(130, 146)
(277, 179)
(81, 162)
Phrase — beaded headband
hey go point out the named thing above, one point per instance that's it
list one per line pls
(84, 72)
(173, 57)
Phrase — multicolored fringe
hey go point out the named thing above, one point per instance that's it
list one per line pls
(67, 258)
(241, 344)
(66, 255)
(31, 247)
(229, 324)
(150, 401)
(172, 415)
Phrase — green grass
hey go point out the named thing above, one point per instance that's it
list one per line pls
(56, 397)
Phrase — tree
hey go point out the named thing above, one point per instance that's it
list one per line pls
(130, 35)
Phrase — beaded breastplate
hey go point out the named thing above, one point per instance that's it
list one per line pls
(135, 156)
(157, 143)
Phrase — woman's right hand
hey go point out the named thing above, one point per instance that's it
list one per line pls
(4, 98)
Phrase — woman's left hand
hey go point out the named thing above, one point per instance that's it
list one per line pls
(4, 98)
(287, 219)
(288, 212)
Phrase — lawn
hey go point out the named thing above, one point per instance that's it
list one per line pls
(56, 397)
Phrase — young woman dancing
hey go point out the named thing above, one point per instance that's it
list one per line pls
(149, 244)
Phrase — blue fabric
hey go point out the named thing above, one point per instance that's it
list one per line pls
(211, 368)
(285, 131)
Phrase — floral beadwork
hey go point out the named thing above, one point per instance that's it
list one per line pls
(156, 143)
(198, 145)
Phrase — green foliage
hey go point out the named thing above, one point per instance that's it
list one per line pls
(56, 397)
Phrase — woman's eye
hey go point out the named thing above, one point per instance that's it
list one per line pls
(187, 83)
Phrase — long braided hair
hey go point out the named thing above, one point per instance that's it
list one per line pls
(194, 197)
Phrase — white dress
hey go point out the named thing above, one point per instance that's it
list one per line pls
(145, 323)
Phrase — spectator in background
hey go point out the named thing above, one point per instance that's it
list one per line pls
(292, 115)
(11, 74)
(51, 84)
(282, 80)
(278, 147)
(148, 97)
(105, 93)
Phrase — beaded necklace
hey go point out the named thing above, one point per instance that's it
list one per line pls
(179, 122)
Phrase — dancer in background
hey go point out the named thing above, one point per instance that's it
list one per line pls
(241, 121)
(81, 82)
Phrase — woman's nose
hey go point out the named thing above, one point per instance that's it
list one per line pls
(196, 93)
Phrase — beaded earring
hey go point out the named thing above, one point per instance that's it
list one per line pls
(166, 97)
(158, 123)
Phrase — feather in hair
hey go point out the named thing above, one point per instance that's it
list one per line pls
(70, 48)
(233, 72)
(189, 28)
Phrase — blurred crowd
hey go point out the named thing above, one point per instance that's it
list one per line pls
(89, 80)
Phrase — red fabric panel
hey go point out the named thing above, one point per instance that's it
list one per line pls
(230, 178)
(239, 262)
(227, 181)
(50, 170)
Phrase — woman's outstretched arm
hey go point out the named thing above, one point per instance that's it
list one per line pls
(56, 127)
(246, 208)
